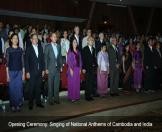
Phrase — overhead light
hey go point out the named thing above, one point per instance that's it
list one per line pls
(116, 5)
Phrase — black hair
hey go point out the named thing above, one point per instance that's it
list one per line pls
(71, 44)
(124, 49)
(103, 45)
(14, 34)
(43, 37)
(150, 38)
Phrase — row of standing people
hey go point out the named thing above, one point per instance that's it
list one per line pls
(38, 62)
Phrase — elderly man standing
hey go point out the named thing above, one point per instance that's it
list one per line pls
(85, 41)
(114, 67)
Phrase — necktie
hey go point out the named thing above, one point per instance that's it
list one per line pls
(91, 50)
(116, 51)
(159, 53)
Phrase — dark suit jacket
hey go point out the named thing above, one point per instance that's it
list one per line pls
(80, 41)
(50, 60)
(34, 64)
(98, 45)
(89, 60)
(158, 59)
(114, 57)
(149, 57)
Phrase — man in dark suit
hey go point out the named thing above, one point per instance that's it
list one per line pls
(158, 64)
(89, 68)
(114, 67)
(149, 66)
(53, 64)
(34, 66)
(99, 43)
(77, 36)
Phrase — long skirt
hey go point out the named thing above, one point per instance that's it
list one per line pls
(137, 77)
(102, 83)
(15, 88)
(74, 84)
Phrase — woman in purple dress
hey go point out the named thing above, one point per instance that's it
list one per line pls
(137, 66)
(103, 71)
(74, 69)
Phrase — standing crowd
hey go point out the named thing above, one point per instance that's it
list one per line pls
(108, 61)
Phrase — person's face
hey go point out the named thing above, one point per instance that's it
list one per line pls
(158, 46)
(45, 36)
(89, 33)
(74, 44)
(90, 42)
(54, 38)
(30, 28)
(127, 48)
(10, 33)
(33, 31)
(1, 25)
(101, 36)
(130, 41)
(94, 35)
(7, 26)
(114, 41)
(120, 40)
(104, 48)
(16, 31)
(14, 40)
(65, 34)
(34, 39)
(76, 30)
(138, 46)
(150, 42)
(84, 31)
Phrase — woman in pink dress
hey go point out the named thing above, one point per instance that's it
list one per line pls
(103, 71)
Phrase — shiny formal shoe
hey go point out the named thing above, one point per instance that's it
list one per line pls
(89, 99)
(96, 95)
(40, 105)
(114, 94)
(30, 107)
(13, 109)
(51, 103)
(57, 102)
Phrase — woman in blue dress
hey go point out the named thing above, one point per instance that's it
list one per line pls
(15, 72)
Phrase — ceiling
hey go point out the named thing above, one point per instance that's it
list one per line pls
(144, 3)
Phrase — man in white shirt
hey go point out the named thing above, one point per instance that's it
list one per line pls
(34, 67)
(77, 37)
(64, 46)
(84, 41)
(99, 42)
(114, 63)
